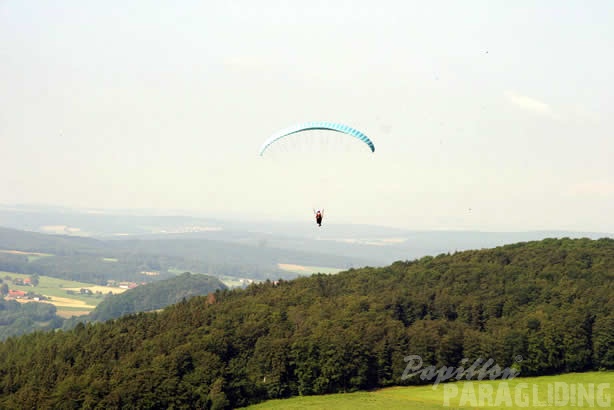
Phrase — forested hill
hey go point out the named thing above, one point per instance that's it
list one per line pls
(150, 297)
(540, 307)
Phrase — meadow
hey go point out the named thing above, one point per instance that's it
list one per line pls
(566, 391)
(64, 294)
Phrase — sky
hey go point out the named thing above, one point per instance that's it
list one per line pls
(486, 115)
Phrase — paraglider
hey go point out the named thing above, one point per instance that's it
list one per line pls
(317, 125)
(323, 134)
(319, 215)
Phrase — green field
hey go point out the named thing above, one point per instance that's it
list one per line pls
(307, 270)
(568, 391)
(58, 292)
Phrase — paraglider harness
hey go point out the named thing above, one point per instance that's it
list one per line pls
(319, 218)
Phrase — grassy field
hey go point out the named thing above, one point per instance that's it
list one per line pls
(568, 391)
(32, 256)
(57, 290)
(307, 270)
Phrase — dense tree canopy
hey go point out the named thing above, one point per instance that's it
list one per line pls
(150, 297)
(541, 307)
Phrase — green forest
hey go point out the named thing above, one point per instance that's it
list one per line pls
(542, 308)
(19, 318)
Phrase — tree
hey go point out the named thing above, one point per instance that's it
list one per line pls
(217, 397)
(34, 280)
(603, 342)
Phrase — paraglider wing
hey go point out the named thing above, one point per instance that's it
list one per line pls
(310, 126)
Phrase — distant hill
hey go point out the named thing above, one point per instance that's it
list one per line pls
(21, 318)
(150, 297)
(99, 260)
(540, 307)
(296, 242)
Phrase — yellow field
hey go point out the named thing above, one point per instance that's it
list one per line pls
(24, 253)
(60, 229)
(68, 313)
(102, 289)
(292, 268)
(32, 256)
(307, 270)
(68, 302)
(62, 302)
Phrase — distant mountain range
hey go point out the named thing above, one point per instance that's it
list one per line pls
(355, 244)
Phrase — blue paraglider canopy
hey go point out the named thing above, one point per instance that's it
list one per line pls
(317, 125)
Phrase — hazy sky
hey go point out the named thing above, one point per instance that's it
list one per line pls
(489, 115)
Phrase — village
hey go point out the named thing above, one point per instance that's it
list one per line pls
(21, 294)
(10, 289)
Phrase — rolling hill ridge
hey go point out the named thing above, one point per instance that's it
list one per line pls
(543, 307)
